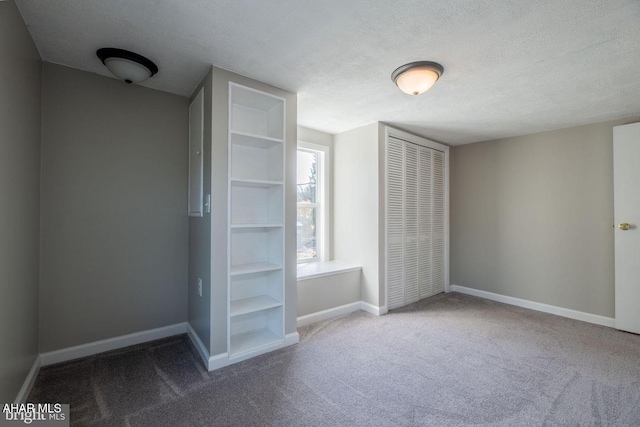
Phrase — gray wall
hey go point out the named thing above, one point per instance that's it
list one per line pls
(200, 232)
(532, 217)
(20, 89)
(114, 238)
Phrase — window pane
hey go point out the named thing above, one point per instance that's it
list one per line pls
(307, 233)
(307, 176)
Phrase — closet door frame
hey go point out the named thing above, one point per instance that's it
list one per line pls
(405, 136)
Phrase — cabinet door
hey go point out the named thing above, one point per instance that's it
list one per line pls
(395, 224)
(196, 129)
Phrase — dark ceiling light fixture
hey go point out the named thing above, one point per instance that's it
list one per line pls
(127, 66)
(417, 77)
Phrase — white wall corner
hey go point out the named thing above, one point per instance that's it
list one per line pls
(23, 394)
(370, 308)
(545, 308)
(198, 344)
(83, 350)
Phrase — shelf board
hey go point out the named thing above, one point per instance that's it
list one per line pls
(250, 341)
(253, 140)
(251, 98)
(254, 267)
(275, 225)
(253, 304)
(258, 183)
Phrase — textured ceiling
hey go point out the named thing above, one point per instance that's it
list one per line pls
(511, 67)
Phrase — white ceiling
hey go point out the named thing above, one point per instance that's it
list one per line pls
(511, 67)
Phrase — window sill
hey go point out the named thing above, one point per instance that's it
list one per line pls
(313, 270)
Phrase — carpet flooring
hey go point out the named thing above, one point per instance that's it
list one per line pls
(449, 360)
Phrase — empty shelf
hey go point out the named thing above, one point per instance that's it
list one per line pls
(253, 304)
(254, 183)
(253, 140)
(254, 340)
(256, 225)
(254, 267)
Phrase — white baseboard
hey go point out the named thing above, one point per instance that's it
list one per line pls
(328, 314)
(545, 308)
(370, 308)
(212, 363)
(291, 339)
(339, 311)
(218, 361)
(115, 343)
(221, 360)
(198, 344)
(23, 394)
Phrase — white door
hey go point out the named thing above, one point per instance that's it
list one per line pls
(438, 261)
(425, 219)
(410, 223)
(395, 224)
(415, 228)
(626, 177)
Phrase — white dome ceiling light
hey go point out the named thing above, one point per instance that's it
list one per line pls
(417, 77)
(127, 66)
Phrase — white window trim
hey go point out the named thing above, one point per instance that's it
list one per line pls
(324, 188)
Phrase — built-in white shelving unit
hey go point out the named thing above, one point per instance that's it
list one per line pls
(256, 222)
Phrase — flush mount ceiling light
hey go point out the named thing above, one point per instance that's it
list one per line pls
(417, 77)
(127, 66)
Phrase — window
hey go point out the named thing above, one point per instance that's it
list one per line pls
(312, 182)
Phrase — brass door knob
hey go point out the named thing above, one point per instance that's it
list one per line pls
(624, 226)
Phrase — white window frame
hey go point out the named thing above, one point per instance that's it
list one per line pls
(323, 200)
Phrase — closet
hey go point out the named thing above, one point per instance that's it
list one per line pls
(415, 220)
(391, 214)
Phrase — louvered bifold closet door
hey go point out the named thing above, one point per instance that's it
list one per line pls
(425, 205)
(395, 223)
(438, 222)
(410, 223)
